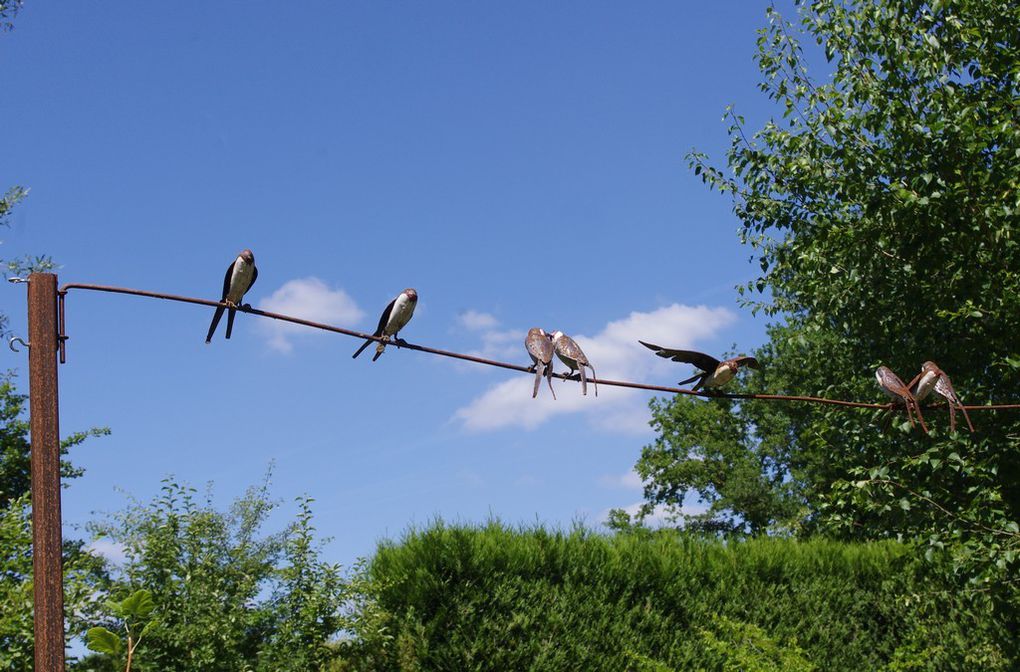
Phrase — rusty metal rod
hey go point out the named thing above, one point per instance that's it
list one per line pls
(47, 571)
(492, 362)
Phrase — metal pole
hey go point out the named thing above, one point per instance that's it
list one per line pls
(46, 527)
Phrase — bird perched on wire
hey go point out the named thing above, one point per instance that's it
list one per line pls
(570, 353)
(240, 277)
(540, 348)
(894, 387)
(394, 318)
(714, 373)
(931, 378)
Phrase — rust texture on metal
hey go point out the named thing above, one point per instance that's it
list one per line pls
(44, 424)
(502, 365)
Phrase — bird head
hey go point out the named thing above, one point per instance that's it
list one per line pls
(930, 367)
(247, 256)
(556, 335)
(411, 294)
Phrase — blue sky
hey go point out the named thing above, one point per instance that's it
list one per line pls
(518, 164)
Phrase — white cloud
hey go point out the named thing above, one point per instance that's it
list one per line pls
(507, 344)
(627, 481)
(496, 343)
(616, 355)
(310, 299)
(113, 551)
(477, 321)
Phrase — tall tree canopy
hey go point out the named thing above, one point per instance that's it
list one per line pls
(882, 205)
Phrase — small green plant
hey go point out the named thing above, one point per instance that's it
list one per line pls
(135, 613)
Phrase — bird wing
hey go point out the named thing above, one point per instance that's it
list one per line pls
(698, 359)
(891, 382)
(385, 318)
(226, 281)
(747, 361)
(254, 277)
(944, 386)
(571, 349)
(540, 347)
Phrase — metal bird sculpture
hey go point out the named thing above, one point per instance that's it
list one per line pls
(894, 387)
(240, 277)
(714, 373)
(570, 353)
(931, 378)
(541, 349)
(394, 318)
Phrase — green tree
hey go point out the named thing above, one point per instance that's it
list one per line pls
(231, 597)
(725, 453)
(882, 206)
(84, 574)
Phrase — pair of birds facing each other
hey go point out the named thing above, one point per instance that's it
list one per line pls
(931, 377)
(241, 276)
(542, 346)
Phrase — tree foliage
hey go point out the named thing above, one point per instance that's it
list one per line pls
(231, 597)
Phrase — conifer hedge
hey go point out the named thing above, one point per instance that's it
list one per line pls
(455, 597)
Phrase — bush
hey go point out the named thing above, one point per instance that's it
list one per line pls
(492, 597)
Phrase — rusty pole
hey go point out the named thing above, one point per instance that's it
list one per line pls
(46, 527)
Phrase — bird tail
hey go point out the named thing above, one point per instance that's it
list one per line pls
(966, 417)
(215, 322)
(594, 380)
(539, 372)
(584, 381)
(361, 349)
(691, 380)
(549, 377)
(379, 349)
(917, 409)
(230, 321)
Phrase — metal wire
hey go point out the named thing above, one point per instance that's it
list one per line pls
(491, 362)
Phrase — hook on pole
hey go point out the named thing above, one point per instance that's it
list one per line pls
(16, 339)
(16, 280)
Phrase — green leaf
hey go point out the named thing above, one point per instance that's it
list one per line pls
(148, 626)
(102, 640)
(137, 606)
